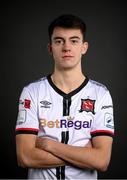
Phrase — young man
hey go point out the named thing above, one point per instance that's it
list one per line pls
(65, 123)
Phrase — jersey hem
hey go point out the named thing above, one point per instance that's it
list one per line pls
(102, 133)
(26, 131)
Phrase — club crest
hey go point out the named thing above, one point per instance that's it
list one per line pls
(87, 105)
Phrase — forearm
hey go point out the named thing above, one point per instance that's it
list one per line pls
(78, 156)
(37, 158)
(96, 157)
(29, 155)
(71, 154)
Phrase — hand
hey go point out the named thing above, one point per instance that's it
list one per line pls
(38, 143)
(45, 143)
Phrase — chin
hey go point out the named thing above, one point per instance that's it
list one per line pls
(66, 67)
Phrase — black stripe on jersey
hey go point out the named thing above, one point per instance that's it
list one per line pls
(58, 173)
(65, 138)
(69, 94)
(62, 172)
(26, 132)
(102, 134)
(66, 106)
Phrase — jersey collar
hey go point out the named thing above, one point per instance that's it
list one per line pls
(72, 93)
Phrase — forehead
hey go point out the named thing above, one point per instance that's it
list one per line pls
(66, 32)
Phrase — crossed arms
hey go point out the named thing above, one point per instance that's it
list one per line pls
(37, 152)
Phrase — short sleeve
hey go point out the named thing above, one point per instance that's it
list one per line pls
(103, 123)
(27, 119)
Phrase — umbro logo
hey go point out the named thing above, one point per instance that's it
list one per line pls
(45, 104)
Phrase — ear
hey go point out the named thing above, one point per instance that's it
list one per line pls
(49, 47)
(84, 47)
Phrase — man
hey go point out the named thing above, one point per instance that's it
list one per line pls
(65, 123)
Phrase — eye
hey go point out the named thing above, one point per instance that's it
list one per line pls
(74, 41)
(59, 41)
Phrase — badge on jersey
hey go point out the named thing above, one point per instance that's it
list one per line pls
(87, 105)
(26, 103)
(21, 117)
(108, 120)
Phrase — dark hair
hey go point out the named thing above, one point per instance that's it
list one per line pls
(67, 21)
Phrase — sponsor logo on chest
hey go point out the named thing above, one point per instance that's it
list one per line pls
(64, 123)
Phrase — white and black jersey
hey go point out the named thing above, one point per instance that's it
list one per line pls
(72, 118)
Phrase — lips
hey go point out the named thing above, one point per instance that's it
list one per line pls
(67, 56)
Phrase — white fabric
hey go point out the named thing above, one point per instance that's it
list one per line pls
(41, 111)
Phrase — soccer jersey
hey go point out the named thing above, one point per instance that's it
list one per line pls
(73, 118)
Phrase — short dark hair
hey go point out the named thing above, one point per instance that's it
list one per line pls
(67, 21)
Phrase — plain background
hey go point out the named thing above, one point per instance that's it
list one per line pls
(24, 58)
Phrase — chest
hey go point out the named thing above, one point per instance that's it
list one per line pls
(66, 118)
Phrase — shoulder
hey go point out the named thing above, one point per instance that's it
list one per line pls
(96, 84)
(35, 85)
(100, 92)
(98, 88)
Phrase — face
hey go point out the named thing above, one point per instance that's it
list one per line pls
(67, 47)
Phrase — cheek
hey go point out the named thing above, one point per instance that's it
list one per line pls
(56, 52)
(56, 55)
(78, 51)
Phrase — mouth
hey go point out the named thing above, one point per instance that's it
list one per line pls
(67, 57)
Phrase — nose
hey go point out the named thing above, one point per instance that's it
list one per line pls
(66, 47)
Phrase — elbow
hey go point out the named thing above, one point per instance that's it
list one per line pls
(102, 166)
(23, 161)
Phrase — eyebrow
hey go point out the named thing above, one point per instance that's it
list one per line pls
(59, 37)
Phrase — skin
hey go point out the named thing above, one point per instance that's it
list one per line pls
(95, 156)
(66, 48)
(32, 157)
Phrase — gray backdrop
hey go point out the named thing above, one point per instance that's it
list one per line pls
(24, 58)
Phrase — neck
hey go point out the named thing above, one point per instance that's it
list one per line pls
(67, 81)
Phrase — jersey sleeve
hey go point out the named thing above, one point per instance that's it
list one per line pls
(103, 123)
(27, 120)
